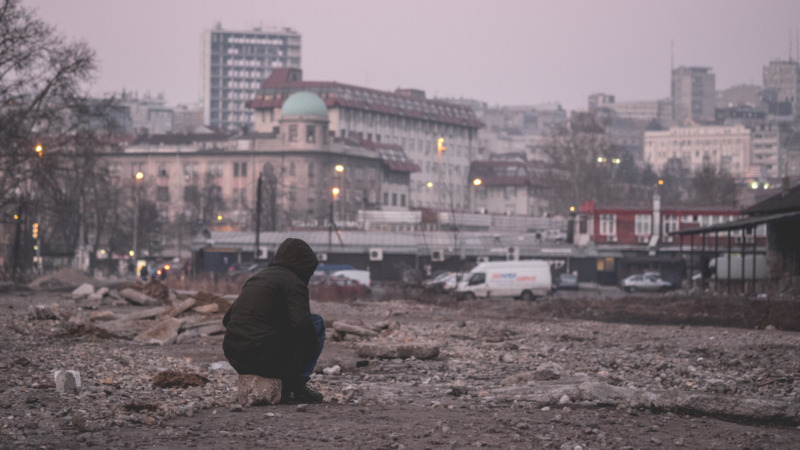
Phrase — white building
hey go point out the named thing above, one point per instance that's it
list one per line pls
(234, 63)
(726, 147)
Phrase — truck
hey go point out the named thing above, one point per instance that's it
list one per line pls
(526, 279)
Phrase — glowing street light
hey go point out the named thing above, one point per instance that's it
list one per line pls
(335, 191)
(131, 253)
(477, 182)
(139, 175)
(339, 168)
(38, 150)
(430, 184)
(616, 161)
(219, 217)
(660, 182)
(754, 184)
(440, 147)
(571, 209)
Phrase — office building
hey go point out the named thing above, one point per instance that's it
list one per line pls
(693, 95)
(784, 78)
(234, 63)
(724, 147)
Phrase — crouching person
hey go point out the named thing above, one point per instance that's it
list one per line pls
(269, 329)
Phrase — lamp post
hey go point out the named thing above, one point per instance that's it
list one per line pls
(135, 251)
(339, 169)
(331, 222)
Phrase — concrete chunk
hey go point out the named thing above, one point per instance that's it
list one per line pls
(138, 298)
(353, 329)
(255, 390)
(82, 291)
(165, 331)
(209, 308)
(182, 307)
(67, 380)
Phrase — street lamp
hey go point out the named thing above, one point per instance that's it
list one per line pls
(135, 251)
(38, 149)
(430, 184)
(477, 182)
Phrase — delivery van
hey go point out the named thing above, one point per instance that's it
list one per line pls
(526, 279)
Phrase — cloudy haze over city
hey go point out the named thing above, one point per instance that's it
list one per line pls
(500, 52)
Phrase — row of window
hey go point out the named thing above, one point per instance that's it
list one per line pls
(390, 121)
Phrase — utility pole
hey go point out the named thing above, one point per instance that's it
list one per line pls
(257, 253)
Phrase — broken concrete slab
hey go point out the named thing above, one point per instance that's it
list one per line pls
(83, 290)
(138, 298)
(344, 327)
(146, 314)
(385, 350)
(165, 331)
(255, 390)
(209, 308)
(67, 380)
(102, 316)
(182, 307)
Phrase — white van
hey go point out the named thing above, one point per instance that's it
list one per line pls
(525, 279)
(362, 276)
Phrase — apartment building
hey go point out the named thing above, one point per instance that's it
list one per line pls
(783, 76)
(233, 65)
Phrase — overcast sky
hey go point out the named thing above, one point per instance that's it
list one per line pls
(501, 52)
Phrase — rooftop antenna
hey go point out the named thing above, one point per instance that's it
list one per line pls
(790, 46)
(672, 55)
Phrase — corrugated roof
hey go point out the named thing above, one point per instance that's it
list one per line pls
(739, 224)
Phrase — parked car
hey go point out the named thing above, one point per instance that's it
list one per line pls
(567, 280)
(443, 282)
(645, 282)
(336, 288)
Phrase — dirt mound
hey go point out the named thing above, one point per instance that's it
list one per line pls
(156, 289)
(63, 279)
(174, 378)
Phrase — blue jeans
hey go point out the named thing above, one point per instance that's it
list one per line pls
(319, 326)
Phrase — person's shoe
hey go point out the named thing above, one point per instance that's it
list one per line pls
(303, 394)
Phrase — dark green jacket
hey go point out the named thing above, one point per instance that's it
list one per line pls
(268, 329)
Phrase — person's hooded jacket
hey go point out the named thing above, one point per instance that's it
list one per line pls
(269, 331)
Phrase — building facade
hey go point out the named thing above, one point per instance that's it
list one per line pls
(439, 137)
(210, 181)
(724, 147)
(784, 78)
(509, 187)
(693, 95)
(233, 65)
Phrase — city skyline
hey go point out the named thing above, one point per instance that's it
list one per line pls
(509, 53)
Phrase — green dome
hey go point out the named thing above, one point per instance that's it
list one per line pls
(304, 104)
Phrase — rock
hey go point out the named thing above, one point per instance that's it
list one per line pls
(347, 328)
(335, 370)
(303, 407)
(46, 312)
(220, 365)
(564, 399)
(100, 316)
(458, 391)
(165, 331)
(138, 298)
(209, 308)
(547, 371)
(255, 390)
(377, 350)
(182, 307)
(97, 296)
(82, 291)
(67, 380)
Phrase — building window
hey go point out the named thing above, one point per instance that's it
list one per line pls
(394, 199)
(402, 199)
(292, 193)
(162, 194)
(670, 223)
(605, 264)
(162, 171)
(643, 224)
(215, 169)
(310, 134)
(608, 224)
(385, 198)
(291, 168)
(310, 170)
(292, 133)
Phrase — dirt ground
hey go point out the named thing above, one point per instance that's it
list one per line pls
(492, 384)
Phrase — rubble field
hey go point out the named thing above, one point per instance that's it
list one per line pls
(142, 367)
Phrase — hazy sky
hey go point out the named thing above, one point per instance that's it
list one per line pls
(501, 52)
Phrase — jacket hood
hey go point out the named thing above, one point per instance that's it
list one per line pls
(297, 256)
